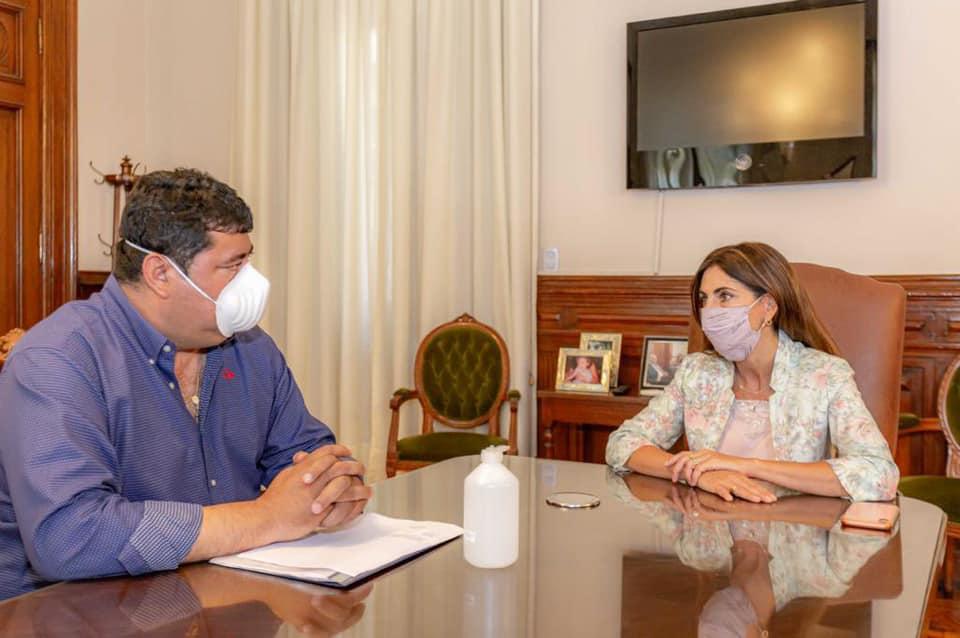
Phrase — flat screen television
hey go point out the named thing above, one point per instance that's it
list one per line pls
(762, 95)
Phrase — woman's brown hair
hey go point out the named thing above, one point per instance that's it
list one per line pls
(763, 270)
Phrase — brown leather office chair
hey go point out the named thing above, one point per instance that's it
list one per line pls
(865, 317)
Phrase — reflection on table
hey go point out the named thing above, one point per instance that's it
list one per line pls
(198, 600)
(748, 563)
(647, 562)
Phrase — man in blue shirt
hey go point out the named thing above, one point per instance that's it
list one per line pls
(154, 424)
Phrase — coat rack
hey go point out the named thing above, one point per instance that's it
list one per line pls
(124, 180)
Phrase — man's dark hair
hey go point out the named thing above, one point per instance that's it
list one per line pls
(170, 212)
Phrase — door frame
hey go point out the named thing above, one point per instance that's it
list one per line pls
(59, 149)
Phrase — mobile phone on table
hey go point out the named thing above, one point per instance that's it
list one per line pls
(876, 516)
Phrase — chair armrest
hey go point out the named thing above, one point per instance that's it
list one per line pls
(401, 396)
(513, 396)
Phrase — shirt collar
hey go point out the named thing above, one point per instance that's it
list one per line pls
(149, 338)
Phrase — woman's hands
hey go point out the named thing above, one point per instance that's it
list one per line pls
(726, 484)
(719, 474)
(692, 465)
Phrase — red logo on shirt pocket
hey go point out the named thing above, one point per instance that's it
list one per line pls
(228, 374)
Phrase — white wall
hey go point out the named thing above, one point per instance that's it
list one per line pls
(156, 81)
(906, 221)
(111, 112)
(191, 79)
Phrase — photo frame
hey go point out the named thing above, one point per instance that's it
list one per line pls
(603, 342)
(580, 370)
(661, 359)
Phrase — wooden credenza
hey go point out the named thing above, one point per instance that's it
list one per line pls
(576, 427)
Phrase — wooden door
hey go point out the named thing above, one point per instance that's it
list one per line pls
(37, 158)
(21, 293)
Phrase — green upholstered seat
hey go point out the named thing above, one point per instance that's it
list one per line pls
(439, 446)
(942, 491)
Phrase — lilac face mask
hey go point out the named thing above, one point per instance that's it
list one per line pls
(728, 329)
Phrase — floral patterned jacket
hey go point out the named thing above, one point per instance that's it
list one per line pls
(815, 403)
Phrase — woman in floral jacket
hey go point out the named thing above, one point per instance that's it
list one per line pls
(767, 401)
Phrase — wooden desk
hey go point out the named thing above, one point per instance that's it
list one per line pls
(577, 574)
(574, 426)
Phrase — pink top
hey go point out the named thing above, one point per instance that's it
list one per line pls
(748, 435)
(748, 431)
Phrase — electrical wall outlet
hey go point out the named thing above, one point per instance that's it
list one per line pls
(551, 260)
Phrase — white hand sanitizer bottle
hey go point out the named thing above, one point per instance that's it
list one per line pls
(491, 512)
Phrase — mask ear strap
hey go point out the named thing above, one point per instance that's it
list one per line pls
(175, 267)
(766, 322)
(139, 247)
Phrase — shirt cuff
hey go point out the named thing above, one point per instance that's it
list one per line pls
(863, 481)
(163, 538)
(621, 448)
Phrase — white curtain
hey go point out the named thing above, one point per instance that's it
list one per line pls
(388, 150)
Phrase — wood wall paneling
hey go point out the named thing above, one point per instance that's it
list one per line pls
(632, 306)
(932, 341)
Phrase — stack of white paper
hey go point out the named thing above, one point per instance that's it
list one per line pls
(369, 544)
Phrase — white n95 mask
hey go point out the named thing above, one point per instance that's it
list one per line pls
(240, 304)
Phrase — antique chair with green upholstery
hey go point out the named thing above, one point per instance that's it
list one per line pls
(943, 491)
(461, 374)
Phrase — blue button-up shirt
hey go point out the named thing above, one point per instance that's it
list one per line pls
(103, 471)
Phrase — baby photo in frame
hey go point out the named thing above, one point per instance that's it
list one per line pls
(605, 342)
(580, 370)
(661, 359)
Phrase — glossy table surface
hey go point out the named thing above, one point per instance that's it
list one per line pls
(651, 560)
